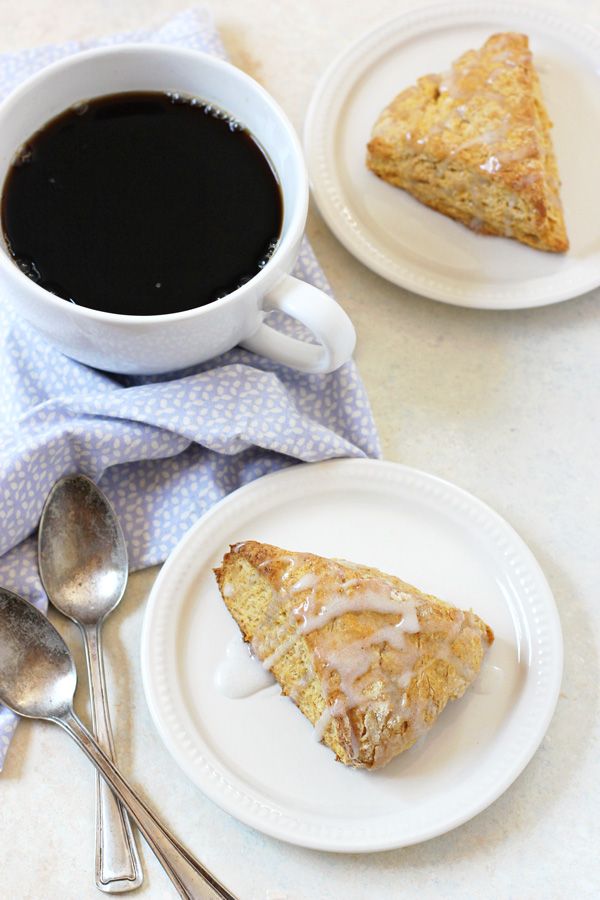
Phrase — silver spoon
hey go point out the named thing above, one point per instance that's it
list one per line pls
(82, 559)
(38, 680)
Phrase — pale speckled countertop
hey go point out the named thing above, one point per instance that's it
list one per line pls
(503, 404)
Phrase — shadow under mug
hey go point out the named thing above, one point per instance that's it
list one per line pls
(153, 344)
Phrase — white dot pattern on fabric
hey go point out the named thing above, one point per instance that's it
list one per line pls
(164, 448)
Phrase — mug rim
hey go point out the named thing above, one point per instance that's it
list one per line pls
(297, 219)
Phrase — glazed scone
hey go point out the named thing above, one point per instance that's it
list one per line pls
(475, 144)
(370, 660)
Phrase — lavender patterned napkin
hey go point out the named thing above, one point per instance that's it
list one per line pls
(164, 448)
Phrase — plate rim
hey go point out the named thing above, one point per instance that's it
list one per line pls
(256, 818)
(330, 202)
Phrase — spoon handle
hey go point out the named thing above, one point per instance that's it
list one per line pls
(191, 879)
(118, 866)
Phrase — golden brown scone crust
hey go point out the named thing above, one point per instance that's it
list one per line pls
(370, 694)
(475, 145)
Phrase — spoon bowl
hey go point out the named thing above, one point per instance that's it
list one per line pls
(81, 550)
(37, 673)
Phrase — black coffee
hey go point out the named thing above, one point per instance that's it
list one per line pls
(141, 203)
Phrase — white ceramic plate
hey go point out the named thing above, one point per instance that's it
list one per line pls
(406, 242)
(256, 757)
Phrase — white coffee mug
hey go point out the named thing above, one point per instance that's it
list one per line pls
(150, 344)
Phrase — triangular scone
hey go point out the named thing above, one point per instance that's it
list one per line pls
(369, 660)
(475, 145)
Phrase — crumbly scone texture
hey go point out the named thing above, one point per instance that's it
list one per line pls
(475, 144)
(371, 688)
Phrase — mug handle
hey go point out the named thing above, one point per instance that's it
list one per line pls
(321, 315)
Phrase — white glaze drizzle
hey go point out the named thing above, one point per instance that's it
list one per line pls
(489, 138)
(371, 599)
(280, 651)
(239, 674)
(320, 727)
(354, 660)
(306, 582)
(491, 165)
(322, 723)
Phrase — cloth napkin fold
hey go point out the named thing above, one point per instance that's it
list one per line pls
(163, 448)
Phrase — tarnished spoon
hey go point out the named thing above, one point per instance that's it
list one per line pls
(38, 680)
(82, 558)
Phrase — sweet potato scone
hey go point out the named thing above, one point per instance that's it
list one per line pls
(370, 660)
(474, 144)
